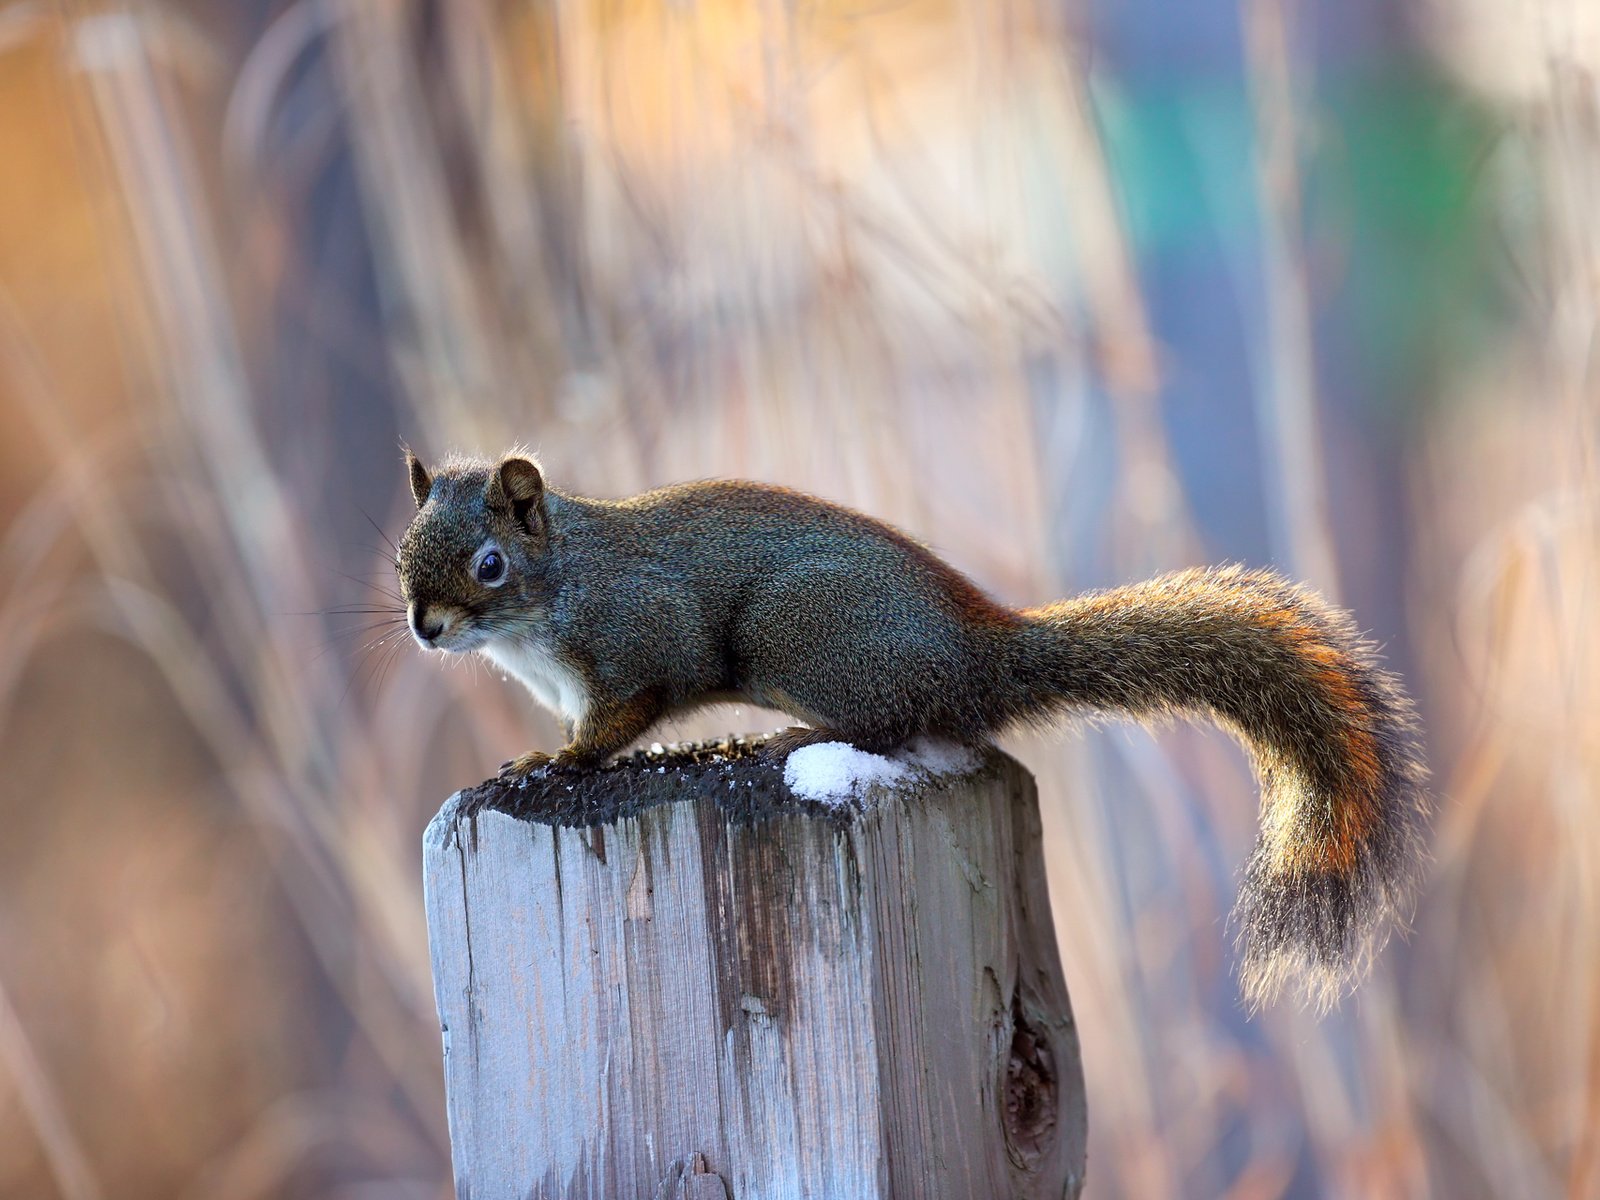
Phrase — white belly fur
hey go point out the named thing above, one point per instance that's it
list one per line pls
(553, 684)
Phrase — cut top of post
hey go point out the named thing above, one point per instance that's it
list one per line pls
(832, 783)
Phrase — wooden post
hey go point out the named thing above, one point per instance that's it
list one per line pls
(674, 978)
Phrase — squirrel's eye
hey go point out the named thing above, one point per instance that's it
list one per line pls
(491, 567)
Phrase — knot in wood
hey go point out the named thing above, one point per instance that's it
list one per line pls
(1031, 1091)
(692, 1180)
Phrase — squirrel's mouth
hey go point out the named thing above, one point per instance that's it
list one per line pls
(451, 643)
(436, 627)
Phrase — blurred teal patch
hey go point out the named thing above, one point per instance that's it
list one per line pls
(1396, 212)
(1400, 192)
(1165, 150)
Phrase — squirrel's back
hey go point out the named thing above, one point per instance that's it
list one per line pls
(764, 528)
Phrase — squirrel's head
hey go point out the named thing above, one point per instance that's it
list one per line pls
(472, 562)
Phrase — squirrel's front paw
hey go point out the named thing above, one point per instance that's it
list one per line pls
(568, 759)
(525, 764)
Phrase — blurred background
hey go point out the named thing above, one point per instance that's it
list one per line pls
(1075, 290)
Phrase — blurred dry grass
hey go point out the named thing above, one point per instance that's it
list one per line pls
(884, 253)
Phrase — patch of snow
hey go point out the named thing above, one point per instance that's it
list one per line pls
(835, 772)
(939, 759)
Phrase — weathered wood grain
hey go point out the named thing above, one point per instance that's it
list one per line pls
(673, 979)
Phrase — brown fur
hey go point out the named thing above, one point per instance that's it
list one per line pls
(709, 591)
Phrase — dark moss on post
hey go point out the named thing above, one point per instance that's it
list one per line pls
(729, 771)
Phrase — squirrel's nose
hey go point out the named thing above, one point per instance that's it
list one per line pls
(424, 625)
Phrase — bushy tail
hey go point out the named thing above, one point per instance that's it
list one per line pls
(1332, 735)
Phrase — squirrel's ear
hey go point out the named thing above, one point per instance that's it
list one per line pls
(421, 484)
(521, 486)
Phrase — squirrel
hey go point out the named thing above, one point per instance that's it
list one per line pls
(615, 614)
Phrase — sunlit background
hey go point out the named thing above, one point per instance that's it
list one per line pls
(1074, 291)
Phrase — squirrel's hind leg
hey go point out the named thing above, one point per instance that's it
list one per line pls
(785, 742)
